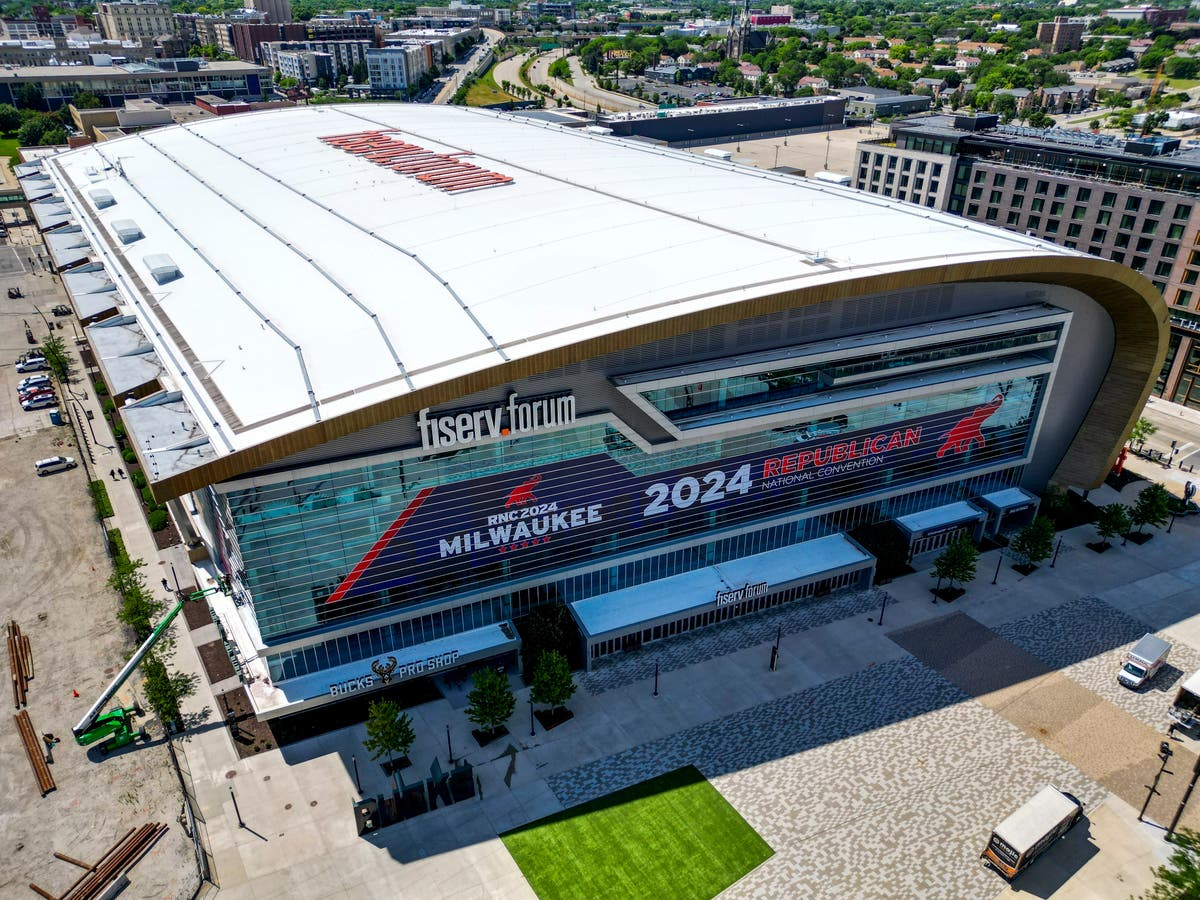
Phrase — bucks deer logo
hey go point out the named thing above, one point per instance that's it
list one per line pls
(384, 671)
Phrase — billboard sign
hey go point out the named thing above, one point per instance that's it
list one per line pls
(515, 524)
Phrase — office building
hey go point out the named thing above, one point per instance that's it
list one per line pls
(1134, 201)
(132, 21)
(1062, 34)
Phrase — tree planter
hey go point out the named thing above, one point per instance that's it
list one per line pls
(949, 594)
(398, 764)
(552, 718)
(483, 738)
(1139, 537)
(1099, 546)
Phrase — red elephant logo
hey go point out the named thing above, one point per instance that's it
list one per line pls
(523, 493)
(969, 429)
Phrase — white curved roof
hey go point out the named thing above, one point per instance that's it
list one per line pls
(314, 282)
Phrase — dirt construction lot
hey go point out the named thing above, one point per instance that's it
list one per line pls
(53, 584)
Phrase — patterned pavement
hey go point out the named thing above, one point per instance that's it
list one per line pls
(703, 644)
(1087, 639)
(843, 781)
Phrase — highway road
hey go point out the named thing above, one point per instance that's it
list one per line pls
(509, 70)
(583, 93)
(491, 38)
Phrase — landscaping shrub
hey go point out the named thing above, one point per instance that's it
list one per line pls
(118, 432)
(116, 543)
(138, 479)
(157, 519)
(109, 407)
(100, 499)
(148, 497)
(100, 388)
(128, 455)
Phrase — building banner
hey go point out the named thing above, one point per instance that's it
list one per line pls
(553, 516)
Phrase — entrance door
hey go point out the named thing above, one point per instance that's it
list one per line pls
(631, 642)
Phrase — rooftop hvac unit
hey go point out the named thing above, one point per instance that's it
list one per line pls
(102, 198)
(162, 267)
(127, 230)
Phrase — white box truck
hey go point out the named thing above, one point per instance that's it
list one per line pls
(1025, 835)
(1186, 708)
(718, 154)
(833, 178)
(1143, 661)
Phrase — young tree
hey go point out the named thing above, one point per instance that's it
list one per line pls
(1180, 877)
(57, 357)
(138, 605)
(491, 700)
(552, 681)
(1034, 542)
(163, 689)
(1112, 521)
(389, 731)
(957, 561)
(1141, 430)
(1153, 507)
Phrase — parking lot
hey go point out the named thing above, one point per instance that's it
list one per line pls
(54, 586)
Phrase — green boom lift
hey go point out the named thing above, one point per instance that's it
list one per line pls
(117, 723)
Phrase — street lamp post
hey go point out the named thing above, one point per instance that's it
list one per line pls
(1057, 547)
(449, 749)
(655, 679)
(531, 731)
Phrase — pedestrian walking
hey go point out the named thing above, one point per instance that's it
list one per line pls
(121, 472)
(165, 587)
(1171, 729)
(112, 474)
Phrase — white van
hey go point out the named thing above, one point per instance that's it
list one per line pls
(53, 464)
(1142, 663)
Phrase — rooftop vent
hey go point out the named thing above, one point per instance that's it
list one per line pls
(102, 198)
(976, 123)
(162, 267)
(127, 230)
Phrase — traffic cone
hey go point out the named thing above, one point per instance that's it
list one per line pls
(74, 693)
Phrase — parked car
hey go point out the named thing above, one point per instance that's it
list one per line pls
(32, 381)
(37, 364)
(39, 403)
(53, 464)
(39, 391)
(61, 310)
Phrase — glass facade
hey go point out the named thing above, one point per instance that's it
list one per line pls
(319, 551)
(693, 401)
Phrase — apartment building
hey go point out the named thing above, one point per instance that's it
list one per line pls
(396, 67)
(343, 55)
(131, 21)
(1062, 34)
(1135, 202)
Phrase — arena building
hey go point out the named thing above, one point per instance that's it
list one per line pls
(408, 372)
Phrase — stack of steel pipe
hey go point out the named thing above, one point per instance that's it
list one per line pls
(33, 749)
(119, 859)
(20, 663)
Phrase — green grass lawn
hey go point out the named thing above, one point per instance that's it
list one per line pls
(1181, 84)
(670, 838)
(485, 91)
(8, 147)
